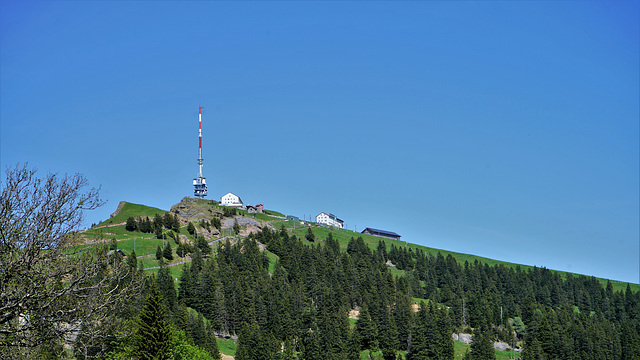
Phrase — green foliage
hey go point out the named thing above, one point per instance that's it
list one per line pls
(132, 260)
(159, 253)
(154, 336)
(175, 227)
(310, 236)
(191, 229)
(229, 211)
(481, 346)
(203, 245)
(517, 325)
(167, 289)
(167, 253)
(236, 227)
(113, 245)
(255, 344)
(210, 344)
(183, 350)
(367, 330)
(128, 209)
(216, 223)
(131, 224)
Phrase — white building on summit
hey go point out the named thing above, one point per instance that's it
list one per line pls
(329, 220)
(231, 199)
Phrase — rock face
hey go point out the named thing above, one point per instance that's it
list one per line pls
(463, 338)
(120, 205)
(195, 210)
(468, 339)
(208, 234)
(242, 221)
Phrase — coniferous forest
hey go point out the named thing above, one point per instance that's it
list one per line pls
(303, 307)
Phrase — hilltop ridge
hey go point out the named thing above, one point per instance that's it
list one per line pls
(197, 210)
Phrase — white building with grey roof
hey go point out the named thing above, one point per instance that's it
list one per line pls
(329, 220)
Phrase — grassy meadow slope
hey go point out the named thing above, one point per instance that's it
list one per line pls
(146, 244)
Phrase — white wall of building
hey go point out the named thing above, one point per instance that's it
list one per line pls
(231, 199)
(328, 219)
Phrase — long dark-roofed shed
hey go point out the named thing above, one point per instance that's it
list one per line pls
(381, 233)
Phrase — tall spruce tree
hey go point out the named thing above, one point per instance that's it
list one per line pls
(131, 224)
(310, 236)
(167, 253)
(367, 330)
(167, 289)
(153, 338)
(482, 345)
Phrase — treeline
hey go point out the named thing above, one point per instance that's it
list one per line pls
(304, 304)
(170, 222)
(146, 225)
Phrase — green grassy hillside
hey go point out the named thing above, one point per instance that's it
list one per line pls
(343, 236)
(146, 244)
(130, 209)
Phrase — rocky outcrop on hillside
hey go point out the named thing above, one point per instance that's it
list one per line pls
(120, 206)
(242, 221)
(208, 234)
(195, 210)
(468, 339)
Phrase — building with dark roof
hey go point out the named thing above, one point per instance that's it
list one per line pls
(381, 233)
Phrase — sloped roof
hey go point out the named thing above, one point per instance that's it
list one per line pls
(383, 232)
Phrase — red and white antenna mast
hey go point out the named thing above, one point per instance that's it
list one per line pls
(199, 183)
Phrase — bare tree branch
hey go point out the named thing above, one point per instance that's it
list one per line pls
(52, 287)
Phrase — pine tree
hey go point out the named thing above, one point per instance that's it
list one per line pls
(167, 252)
(191, 229)
(236, 227)
(158, 223)
(132, 260)
(167, 289)
(175, 227)
(367, 330)
(131, 224)
(482, 346)
(210, 343)
(153, 338)
(388, 337)
(203, 245)
(158, 253)
(288, 350)
(167, 220)
(310, 235)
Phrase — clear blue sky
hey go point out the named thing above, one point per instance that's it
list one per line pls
(504, 129)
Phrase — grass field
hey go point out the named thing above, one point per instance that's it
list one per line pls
(272, 261)
(227, 346)
(460, 349)
(134, 210)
